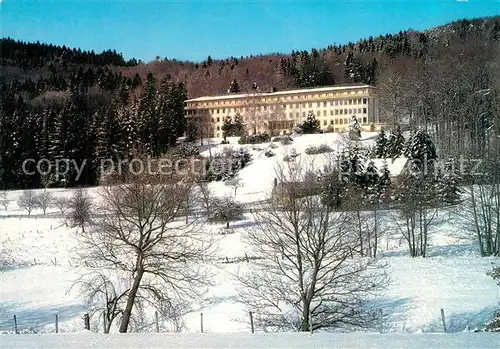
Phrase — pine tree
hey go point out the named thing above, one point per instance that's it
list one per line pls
(227, 127)
(234, 87)
(354, 128)
(381, 145)
(310, 125)
(421, 151)
(395, 144)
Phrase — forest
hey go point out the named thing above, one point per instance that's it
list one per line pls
(65, 103)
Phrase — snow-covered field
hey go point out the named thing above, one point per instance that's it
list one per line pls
(261, 341)
(38, 284)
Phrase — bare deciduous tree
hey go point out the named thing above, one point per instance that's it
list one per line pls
(480, 212)
(305, 275)
(80, 209)
(140, 238)
(225, 210)
(44, 201)
(234, 183)
(27, 201)
(61, 204)
(103, 297)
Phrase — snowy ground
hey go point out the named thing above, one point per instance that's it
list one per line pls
(38, 284)
(264, 341)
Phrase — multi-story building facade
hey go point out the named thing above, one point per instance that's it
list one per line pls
(279, 112)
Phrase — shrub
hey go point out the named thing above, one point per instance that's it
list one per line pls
(225, 165)
(273, 146)
(186, 150)
(224, 142)
(321, 149)
(269, 153)
(254, 139)
(286, 140)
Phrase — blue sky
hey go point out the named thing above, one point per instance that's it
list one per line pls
(194, 29)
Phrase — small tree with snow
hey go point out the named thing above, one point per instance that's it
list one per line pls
(79, 207)
(381, 145)
(27, 201)
(44, 201)
(225, 210)
(61, 204)
(354, 128)
(234, 183)
(395, 144)
(310, 125)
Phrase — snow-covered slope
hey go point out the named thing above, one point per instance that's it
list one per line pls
(37, 284)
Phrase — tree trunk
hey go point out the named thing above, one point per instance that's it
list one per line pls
(131, 298)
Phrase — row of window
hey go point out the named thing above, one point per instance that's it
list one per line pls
(324, 104)
(292, 115)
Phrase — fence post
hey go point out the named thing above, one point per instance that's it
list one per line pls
(15, 325)
(201, 322)
(57, 323)
(157, 322)
(251, 320)
(86, 319)
(443, 319)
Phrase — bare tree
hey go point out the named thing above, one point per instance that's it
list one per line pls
(102, 296)
(225, 210)
(80, 209)
(44, 201)
(27, 201)
(480, 212)
(418, 207)
(305, 276)
(234, 183)
(140, 238)
(4, 201)
(61, 204)
(204, 196)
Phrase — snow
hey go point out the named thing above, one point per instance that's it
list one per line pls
(277, 340)
(36, 285)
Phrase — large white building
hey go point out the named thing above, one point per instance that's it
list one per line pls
(279, 112)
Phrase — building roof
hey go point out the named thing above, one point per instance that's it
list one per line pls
(279, 93)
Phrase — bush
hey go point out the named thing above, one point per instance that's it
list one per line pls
(273, 146)
(224, 142)
(186, 150)
(269, 153)
(286, 141)
(323, 148)
(277, 139)
(225, 165)
(255, 139)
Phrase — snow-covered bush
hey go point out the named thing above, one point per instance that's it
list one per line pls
(225, 165)
(321, 149)
(186, 150)
(269, 153)
(254, 139)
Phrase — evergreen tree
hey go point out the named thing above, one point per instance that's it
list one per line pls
(381, 145)
(354, 128)
(310, 125)
(421, 151)
(234, 87)
(227, 127)
(395, 144)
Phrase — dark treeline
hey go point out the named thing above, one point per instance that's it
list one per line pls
(58, 102)
(93, 114)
